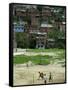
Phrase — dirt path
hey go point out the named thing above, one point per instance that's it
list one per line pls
(34, 53)
(29, 75)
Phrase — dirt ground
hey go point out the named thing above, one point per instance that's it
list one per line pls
(24, 75)
(29, 75)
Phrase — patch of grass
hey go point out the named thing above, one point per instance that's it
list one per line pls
(19, 59)
(61, 62)
(46, 50)
(61, 56)
(38, 59)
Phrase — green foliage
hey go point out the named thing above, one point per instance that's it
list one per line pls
(46, 50)
(56, 33)
(58, 36)
(32, 41)
(38, 59)
(15, 19)
(22, 40)
(58, 12)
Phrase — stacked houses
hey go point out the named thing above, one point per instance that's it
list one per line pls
(38, 21)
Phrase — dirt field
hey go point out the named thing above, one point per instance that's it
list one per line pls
(24, 75)
(29, 75)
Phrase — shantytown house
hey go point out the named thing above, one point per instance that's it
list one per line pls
(41, 23)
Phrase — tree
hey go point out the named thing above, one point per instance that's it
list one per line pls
(32, 41)
(22, 40)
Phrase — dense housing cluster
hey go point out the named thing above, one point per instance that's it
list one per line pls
(39, 26)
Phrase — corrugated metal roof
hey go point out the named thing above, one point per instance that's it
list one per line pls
(39, 33)
(46, 25)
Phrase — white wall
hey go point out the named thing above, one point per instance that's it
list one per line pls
(4, 44)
